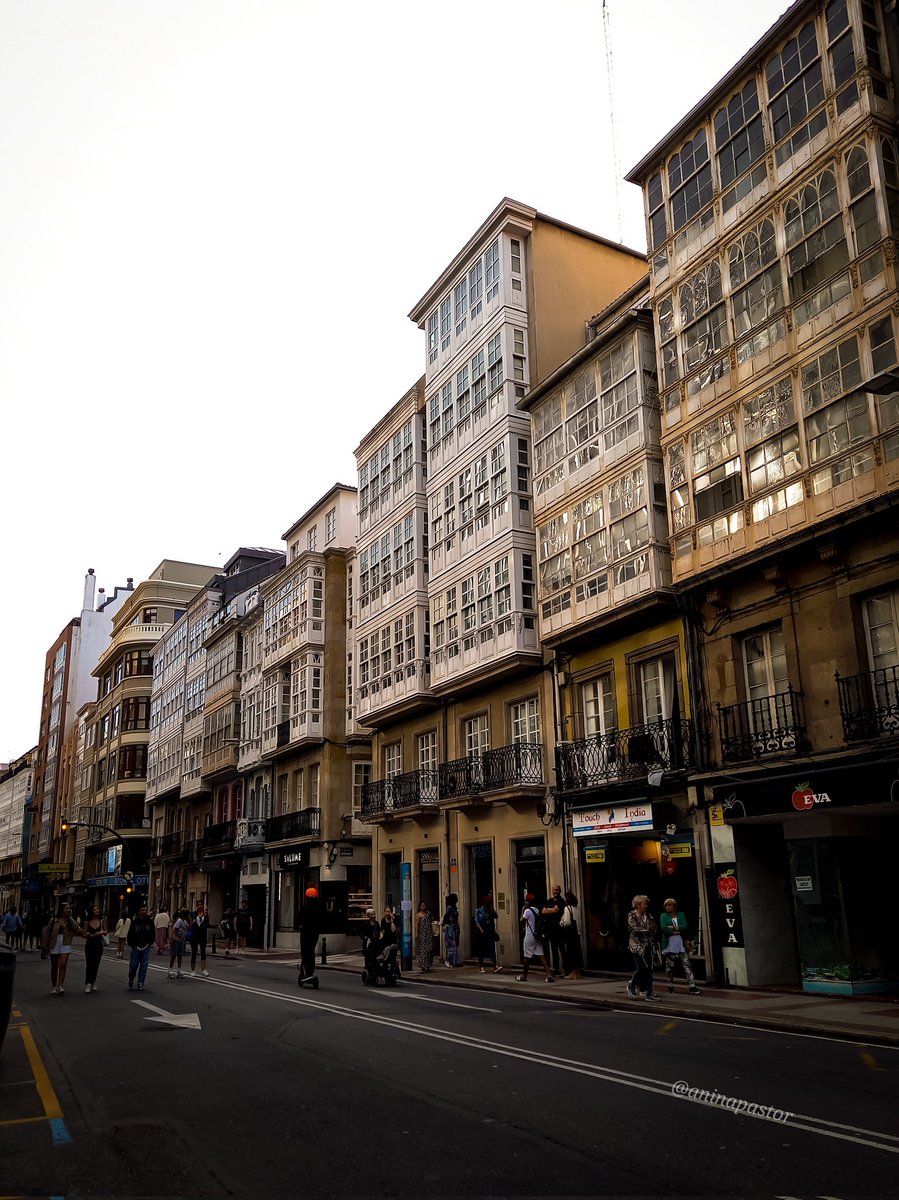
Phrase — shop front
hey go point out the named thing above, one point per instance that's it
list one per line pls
(625, 850)
(804, 864)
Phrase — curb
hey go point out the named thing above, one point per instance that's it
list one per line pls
(665, 1008)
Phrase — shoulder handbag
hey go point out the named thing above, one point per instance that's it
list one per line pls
(565, 921)
(435, 929)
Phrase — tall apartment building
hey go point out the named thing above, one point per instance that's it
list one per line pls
(772, 212)
(194, 794)
(67, 685)
(609, 616)
(296, 742)
(113, 756)
(16, 790)
(461, 767)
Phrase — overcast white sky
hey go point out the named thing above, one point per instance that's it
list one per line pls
(214, 218)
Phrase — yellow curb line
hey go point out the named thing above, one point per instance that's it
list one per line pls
(41, 1078)
(21, 1121)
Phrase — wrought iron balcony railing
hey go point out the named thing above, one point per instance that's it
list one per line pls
(869, 704)
(506, 767)
(219, 837)
(413, 789)
(305, 823)
(767, 725)
(623, 754)
(192, 851)
(169, 845)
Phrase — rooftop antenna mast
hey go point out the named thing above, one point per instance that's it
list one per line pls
(610, 77)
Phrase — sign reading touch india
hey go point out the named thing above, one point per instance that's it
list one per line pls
(618, 818)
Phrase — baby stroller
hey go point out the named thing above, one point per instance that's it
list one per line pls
(381, 968)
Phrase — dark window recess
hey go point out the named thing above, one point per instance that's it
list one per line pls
(719, 498)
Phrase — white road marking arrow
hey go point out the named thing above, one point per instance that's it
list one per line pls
(181, 1020)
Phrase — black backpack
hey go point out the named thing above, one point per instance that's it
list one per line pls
(539, 923)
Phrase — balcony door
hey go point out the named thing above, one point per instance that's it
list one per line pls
(598, 706)
(658, 744)
(882, 634)
(767, 679)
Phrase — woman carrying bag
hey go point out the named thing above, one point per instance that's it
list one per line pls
(56, 942)
(95, 938)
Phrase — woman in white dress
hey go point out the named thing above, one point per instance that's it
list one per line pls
(533, 946)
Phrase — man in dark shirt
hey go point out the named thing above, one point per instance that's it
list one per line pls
(141, 936)
(553, 910)
(199, 932)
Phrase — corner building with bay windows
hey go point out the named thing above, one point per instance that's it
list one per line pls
(462, 730)
(772, 211)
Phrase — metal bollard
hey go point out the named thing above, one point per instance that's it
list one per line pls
(324, 951)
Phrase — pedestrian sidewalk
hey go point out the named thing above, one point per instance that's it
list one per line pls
(859, 1018)
(872, 1019)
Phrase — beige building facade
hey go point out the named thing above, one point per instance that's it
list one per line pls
(772, 216)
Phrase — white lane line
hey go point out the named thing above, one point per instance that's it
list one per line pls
(430, 999)
(645, 1083)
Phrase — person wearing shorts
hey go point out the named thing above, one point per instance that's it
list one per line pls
(56, 942)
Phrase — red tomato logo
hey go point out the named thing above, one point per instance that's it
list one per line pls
(803, 797)
(727, 885)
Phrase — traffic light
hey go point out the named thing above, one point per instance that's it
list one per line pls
(129, 889)
(64, 828)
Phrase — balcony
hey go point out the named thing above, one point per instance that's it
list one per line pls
(171, 845)
(766, 725)
(869, 704)
(250, 834)
(412, 790)
(192, 851)
(624, 754)
(219, 838)
(289, 826)
(504, 769)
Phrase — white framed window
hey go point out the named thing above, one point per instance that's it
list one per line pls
(598, 704)
(427, 750)
(314, 774)
(525, 721)
(656, 682)
(393, 760)
(361, 777)
(330, 525)
(312, 538)
(476, 735)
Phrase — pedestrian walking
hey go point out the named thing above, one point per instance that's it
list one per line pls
(229, 932)
(56, 941)
(641, 936)
(243, 923)
(34, 927)
(450, 923)
(485, 919)
(424, 938)
(571, 950)
(95, 938)
(197, 935)
(162, 923)
(177, 939)
(310, 931)
(12, 926)
(675, 946)
(141, 936)
(554, 941)
(121, 934)
(534, 946)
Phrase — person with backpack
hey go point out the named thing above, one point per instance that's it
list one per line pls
(485, 919)
(534, 923)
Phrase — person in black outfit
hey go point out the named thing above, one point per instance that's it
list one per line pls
(310, 931)
(94, 930)
(552, 912)
(371, 937)
(199, 931)
(141, 937)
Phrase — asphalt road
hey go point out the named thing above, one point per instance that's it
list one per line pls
(420, 1091)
